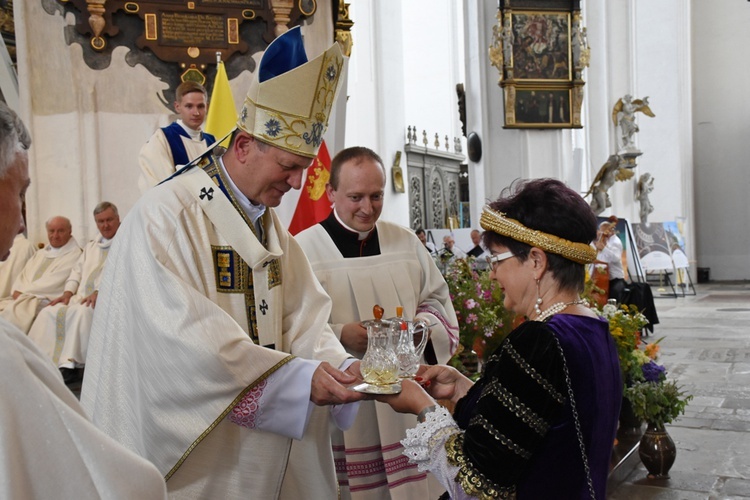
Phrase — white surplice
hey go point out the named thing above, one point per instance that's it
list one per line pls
(48, 448)
(156, 161)
(42, 279)
(405, 275)
(11, 267)
(62, 331)
(170, 353)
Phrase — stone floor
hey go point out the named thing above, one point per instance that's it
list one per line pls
(707, 349)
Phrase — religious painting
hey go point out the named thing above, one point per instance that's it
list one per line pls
(540, 50)
(540, 107)
(541, 45)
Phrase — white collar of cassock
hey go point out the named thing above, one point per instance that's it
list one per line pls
(194, 134)
(362, 234)
(104, 242)
(56, 252)
(254, 212)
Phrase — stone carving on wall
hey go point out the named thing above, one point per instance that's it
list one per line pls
(437, 212)
(433, 183)
(416, 212)
(178, 41)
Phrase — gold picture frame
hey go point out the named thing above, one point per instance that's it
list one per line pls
(540, 51)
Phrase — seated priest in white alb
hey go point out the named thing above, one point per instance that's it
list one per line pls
(43, 277)
(61, 330)
(20, 253)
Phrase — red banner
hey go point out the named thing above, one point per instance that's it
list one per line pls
(313, 205)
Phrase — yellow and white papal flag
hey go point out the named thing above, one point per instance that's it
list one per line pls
(222, 113)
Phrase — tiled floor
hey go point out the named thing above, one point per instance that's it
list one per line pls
(707, 349)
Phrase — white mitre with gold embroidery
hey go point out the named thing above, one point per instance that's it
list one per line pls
(290, 99)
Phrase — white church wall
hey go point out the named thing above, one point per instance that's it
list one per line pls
(88, 125)
(721, 106)
(637, 47)
(406, 61)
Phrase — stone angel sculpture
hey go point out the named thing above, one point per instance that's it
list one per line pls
(642, 189)
(610, 172)
(623, 114)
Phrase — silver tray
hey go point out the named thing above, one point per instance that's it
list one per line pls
(378, 389)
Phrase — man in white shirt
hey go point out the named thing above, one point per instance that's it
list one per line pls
(609, 248)
(179, 142)
(43, 277)
(61, 330)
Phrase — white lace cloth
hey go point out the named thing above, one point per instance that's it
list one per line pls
(425, 446)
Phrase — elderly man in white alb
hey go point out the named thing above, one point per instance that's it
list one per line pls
(49, 447)
(20, 253)
(210, 344)
(362, 261)
(43, 277)
(61, 330)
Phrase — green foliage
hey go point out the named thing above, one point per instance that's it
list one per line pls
(658, 402)
(483, 322)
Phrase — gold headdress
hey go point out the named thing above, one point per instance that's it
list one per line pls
(499, 223)
(289, 108)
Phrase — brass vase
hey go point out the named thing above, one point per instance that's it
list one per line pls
(657, 451)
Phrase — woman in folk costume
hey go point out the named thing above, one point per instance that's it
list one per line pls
(541, 421)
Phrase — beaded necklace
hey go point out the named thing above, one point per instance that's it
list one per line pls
(556, 308)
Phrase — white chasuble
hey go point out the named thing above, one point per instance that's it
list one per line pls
(62, 331)
(368, 456)
(171, 349)
(11, 267)
(49, 448)
(42, 279)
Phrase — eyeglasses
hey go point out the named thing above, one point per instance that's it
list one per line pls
(494, 259)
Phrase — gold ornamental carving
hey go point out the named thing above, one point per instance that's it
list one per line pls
(343, 29)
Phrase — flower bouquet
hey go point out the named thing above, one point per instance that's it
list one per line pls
(647, 393)
(483, 322)
(625, 325)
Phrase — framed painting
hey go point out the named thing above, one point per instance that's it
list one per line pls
(541, 46)
(540, 50)
(542, 107)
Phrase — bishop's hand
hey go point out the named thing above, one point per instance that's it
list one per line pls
(328, 386)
